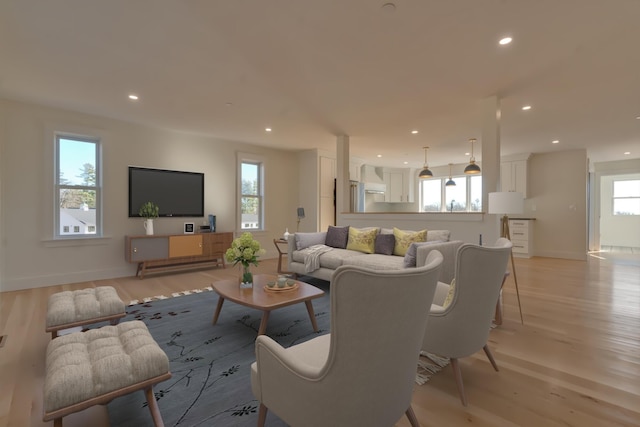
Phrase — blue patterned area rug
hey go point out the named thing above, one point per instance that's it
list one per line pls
(211, 365)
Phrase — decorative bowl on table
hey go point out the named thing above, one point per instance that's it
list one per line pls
(281, 285)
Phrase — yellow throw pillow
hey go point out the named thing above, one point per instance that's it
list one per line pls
(404, 239)
(362, 240)
(450, 295)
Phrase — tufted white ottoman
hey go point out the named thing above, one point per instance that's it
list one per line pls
(76, 308)
(92, 368)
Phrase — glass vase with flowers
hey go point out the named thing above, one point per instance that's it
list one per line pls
(244, 251)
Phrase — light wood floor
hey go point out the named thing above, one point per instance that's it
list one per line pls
(575, 362)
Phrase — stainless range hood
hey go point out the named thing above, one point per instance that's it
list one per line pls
(375, 188)
(373, 179)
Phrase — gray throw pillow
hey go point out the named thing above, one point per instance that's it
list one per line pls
(384, 244)
(337, 237)
(304, 240)
(410, 256)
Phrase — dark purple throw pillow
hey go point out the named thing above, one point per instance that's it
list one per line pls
(384, 244)
(337, 237)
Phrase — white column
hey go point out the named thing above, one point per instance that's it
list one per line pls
(342, 175)
(490, 148)
(490, 163)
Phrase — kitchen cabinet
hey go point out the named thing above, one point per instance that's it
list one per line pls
(513, 174)
(400, 185)
(521, 233)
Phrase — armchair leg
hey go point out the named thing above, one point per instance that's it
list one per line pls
(262, 415)
(413, 420)
(458, 374)
(490, 357)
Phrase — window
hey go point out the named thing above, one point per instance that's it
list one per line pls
(431, 195)
(77, 186)
(465, 196)
(475, 193)
(456, 195)
(251, 198)
(626, 197)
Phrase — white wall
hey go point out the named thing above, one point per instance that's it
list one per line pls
(309, 188)
(32, 259)
(558, 201)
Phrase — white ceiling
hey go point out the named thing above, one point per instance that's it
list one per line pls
(315, 69)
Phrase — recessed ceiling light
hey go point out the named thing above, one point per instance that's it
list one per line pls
(267, 129)
(406, 163)
(526, 107)
(133, 97)
(638, 118)
(467, 154)
(555, 141)
(626, 153)
(414, 132)
(505, 40)
(228, 104)
(379, 155)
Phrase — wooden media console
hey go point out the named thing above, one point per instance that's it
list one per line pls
(176, 251)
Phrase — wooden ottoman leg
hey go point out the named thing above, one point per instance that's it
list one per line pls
(153, 407)
(57, 422)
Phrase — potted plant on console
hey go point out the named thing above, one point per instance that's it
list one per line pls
(149, 211)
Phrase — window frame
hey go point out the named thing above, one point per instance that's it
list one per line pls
(443, 194)
(255, 160)
(97, 187)
(614, 198)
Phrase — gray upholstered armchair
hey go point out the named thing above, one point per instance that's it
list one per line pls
(460, 327)
(362, 373)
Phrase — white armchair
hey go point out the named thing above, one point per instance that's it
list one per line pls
(362, 373)
(461, 327)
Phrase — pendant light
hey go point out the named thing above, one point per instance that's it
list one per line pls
(425, 172)
(472, 168)
(450, 182)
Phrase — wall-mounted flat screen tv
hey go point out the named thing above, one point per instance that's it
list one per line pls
(176, 193)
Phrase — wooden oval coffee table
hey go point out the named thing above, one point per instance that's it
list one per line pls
(264, 300)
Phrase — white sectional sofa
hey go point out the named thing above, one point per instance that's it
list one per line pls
(299, 244)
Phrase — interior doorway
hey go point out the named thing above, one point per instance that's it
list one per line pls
(617, 213)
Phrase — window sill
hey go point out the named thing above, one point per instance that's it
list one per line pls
(76, 241)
